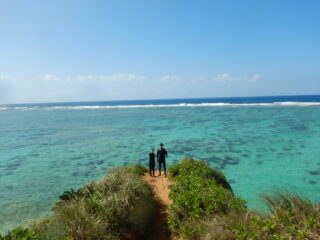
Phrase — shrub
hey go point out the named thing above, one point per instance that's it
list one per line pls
(291, 217)
(198, 191)
(190, 167)
(204, 208)
(20, 234)
(120, 203)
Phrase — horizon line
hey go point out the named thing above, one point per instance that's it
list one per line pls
(156, 99)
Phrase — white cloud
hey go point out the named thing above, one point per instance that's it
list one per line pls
(96, 78)
(123, 77)
(105, 78)
(50, 88)
(48, 77)
(226, 77)
(127, 77)
(256, 77)
(5, 78)
(171, 78)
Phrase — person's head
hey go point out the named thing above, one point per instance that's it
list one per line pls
(161, 145)
(152, 150)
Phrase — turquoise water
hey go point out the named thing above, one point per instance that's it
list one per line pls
(260, 148)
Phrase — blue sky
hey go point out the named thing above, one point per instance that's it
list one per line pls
(54, 51)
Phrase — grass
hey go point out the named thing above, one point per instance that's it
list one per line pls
(120, 204)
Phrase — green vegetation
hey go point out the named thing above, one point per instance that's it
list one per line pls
(121, 204)
(204, 208)
(199, 191)
(21, 234)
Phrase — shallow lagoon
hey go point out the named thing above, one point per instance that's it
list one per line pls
(261, 149)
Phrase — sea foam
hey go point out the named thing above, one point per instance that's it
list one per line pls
(274, 104)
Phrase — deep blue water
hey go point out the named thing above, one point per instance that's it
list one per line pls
(232, 100)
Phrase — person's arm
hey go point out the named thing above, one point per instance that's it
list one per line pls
(158, 153)
(166, 153)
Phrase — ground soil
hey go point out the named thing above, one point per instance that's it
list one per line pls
(160, 185)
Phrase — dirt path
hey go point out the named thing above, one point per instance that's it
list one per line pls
(160, 185)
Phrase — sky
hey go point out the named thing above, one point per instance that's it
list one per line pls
(65, 50)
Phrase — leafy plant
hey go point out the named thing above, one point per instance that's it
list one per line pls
(20, 234)
(204, 208)
(198, 191)
(118, 204)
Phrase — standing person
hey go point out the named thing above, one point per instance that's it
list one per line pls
(161, 157)
(152, 162)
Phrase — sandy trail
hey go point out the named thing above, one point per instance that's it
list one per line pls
(160, 185)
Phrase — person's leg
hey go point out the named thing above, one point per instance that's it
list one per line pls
(153, 170)
(150, 168)
(165, 168)
(159, 168)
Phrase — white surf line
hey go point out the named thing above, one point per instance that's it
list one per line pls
(165, 105)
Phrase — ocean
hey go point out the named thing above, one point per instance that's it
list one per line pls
(262, 144)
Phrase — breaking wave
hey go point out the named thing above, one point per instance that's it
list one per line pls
(274, 104)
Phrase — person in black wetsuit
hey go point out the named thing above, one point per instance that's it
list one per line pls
(152, 162)
(161, 157)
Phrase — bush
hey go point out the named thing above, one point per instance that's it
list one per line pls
(190, 167)
(120, 203)
(204, 208)
(20, 234)
(198, 191)
(291, 217)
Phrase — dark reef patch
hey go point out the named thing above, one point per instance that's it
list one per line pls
(313, 182)
(188, 149)
(286, 149)
(259, 162)
(245, 155)
(198, 121)
(162, 128)
(177, 151)
(231, 181)
(87, 174)
(299, 128)
(75, 158)
(90, 163)
(235, 151)
(314, 172)
(13, 165)
(33, 155)
(99, 162)
(222, 162)
(76, 174)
